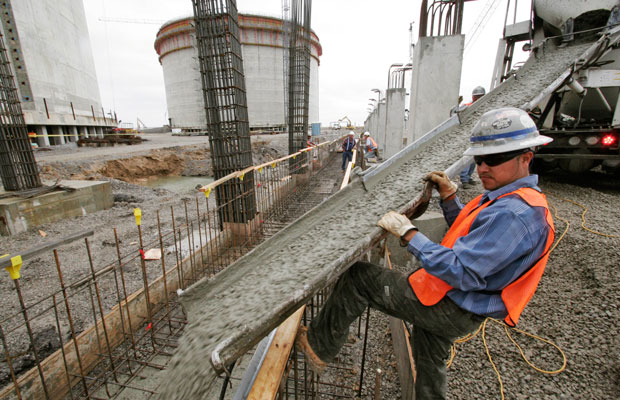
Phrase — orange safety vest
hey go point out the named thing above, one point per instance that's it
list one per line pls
(374, 144)
(430, 290)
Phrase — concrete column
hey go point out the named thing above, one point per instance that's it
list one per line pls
(373, 122)
(394, 121)
(60, 139)
(43, 140)
(83, 131)
(91, 131)
(99, 131)
(74, 132)
(379, 134)
(435, 82)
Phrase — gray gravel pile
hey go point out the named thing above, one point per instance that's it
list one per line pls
(234, 308)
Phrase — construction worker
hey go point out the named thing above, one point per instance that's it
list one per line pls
(370, 146)
(488, 264)
(309, 142)
(465, 175)
(348, 144)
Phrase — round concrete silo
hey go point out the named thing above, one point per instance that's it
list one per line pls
(263, 46)
(50, 53)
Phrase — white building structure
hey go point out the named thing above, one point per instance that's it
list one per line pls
(263, 46)
(49, 48)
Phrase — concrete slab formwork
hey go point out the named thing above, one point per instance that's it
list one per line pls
(18, 214)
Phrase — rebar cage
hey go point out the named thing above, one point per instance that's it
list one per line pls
(223, 85)
(18, 168)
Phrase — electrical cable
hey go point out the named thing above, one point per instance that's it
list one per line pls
(488, 11)
(583, 217)
(483, 326)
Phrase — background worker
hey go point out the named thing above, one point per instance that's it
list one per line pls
(370, 146)
(309, 142)
(348, 144)
(488, 264)
(465, 175)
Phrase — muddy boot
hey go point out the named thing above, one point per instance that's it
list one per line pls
(302, 345)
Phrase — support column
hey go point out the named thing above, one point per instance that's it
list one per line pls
(57, 129)
(83, 131)
(379, 134)
(43, 140)
(394, 121)
(74, 132)
(435, 82)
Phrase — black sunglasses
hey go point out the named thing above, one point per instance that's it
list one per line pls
(493, 160)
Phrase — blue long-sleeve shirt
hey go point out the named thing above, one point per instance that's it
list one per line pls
(505, 239)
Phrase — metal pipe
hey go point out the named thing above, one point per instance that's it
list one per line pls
(603, 99)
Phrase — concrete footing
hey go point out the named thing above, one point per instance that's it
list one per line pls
(19, 214)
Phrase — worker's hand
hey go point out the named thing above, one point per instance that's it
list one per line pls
(395, 223)
(443, 184)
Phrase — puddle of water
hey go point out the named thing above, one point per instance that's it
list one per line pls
(178, 184)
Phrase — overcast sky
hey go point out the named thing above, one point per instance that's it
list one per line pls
(360, 40)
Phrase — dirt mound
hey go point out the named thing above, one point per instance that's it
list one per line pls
(130, 169)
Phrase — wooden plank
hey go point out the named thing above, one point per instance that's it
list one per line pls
(6, 262)
(270, 374)
(347, 173)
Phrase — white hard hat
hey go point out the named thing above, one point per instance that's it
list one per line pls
(504, 130)
(366, 133)
(351, 133)
(478, 91)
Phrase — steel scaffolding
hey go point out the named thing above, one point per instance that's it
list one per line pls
(223, 86)
(18, 168)
(299, 78)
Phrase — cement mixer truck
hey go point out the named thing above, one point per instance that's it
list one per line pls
(583, 115)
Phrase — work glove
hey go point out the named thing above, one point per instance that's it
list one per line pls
(443, 184)
(395, 223)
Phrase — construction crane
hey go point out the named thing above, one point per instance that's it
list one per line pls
(339, 124)
(347, 120)
(140, 124)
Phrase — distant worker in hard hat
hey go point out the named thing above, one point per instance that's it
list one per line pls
(348, 144)
(465, 175)
(309, 142)
(370, 146)
(488, 264)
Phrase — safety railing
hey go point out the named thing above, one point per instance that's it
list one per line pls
(108, 309)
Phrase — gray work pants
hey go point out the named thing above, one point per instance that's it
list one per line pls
(435, 327)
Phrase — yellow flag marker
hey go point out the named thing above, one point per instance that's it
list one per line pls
(16, 264)
(138, 214)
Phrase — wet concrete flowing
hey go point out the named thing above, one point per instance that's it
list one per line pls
(244, 302)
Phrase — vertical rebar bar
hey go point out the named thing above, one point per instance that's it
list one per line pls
(62, 347)
(70, 318)
(30, 335)
(163, 270)
(147, 295)
(100, 305)
(7, 355)
(364, 352)
(120, 268)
